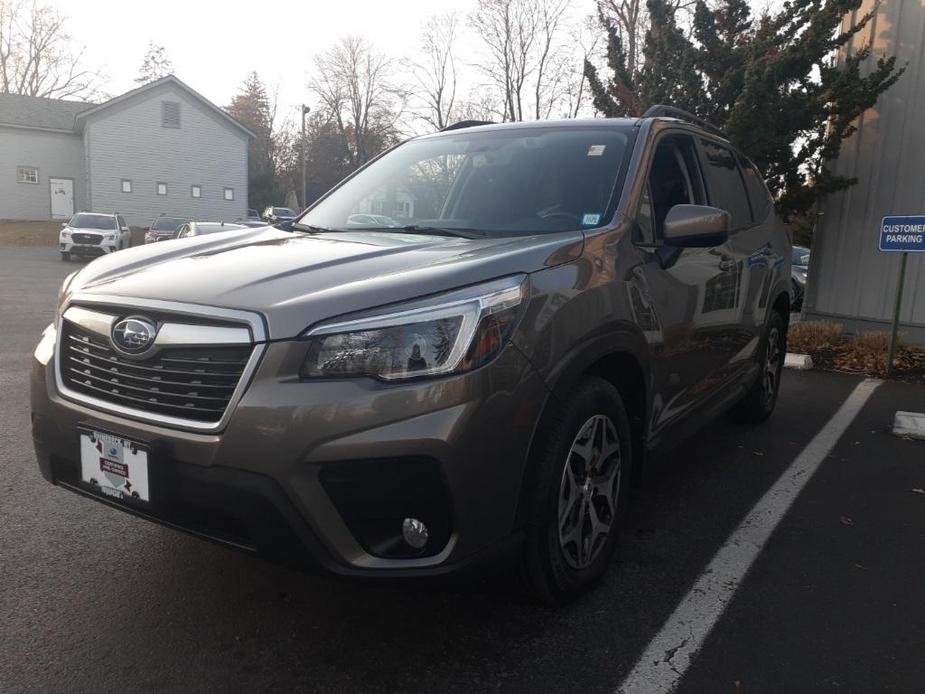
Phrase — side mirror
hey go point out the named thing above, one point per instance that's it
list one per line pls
(147, 229)
(63, 224)
(696, 226)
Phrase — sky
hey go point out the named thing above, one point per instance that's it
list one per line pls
(214, 45)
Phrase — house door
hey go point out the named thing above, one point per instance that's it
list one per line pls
(62, 198)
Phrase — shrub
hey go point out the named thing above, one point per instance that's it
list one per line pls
(866, 353)
(807, 337)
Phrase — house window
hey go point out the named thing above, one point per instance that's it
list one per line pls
(229, 193)
(126, 185)
(170, 114)
(161, 188)
(27, 174)
(196, 191)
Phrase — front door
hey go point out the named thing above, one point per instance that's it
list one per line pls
(62, 198)
(690, 295)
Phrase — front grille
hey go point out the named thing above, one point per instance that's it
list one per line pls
(87, 238)
(194, 383)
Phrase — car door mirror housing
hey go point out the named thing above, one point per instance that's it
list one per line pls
(696, 226)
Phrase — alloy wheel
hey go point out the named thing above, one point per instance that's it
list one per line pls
(589, 491)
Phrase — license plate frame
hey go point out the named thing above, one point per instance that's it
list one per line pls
(115, 466)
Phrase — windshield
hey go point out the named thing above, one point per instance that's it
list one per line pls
(511, 181)
(800, 256)
(167, 224)
(284, 211)
(92, 221)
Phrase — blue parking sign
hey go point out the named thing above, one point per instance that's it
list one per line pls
(903, 234)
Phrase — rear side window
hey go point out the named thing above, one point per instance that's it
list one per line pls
(757, 191)
(724, 182)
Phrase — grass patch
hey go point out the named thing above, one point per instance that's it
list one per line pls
(830, 348)
(29, 233)
(814, 336)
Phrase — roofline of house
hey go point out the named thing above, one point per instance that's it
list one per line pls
(19, 126)
(169, 79)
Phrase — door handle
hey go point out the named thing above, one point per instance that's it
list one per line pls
(727, 264)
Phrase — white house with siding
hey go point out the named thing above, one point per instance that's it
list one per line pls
(160, 149)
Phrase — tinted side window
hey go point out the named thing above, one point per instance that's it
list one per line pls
(724, 182)
(757, 191)
(674, 179)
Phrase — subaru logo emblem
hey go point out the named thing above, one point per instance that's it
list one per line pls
(133, 335)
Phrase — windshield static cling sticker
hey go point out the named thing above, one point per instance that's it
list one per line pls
(596, 150)
(590, 219)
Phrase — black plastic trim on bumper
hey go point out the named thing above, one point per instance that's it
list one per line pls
(251, 513)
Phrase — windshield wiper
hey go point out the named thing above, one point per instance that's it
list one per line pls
(311, 228)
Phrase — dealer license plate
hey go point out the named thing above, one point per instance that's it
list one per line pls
(115, 466)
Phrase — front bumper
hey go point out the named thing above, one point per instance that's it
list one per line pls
(91, 250)
(313, 473)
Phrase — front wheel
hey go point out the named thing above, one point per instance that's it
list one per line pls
(759, 402)
(579, 490)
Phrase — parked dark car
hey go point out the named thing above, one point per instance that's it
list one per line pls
(275, 215)
(479, 385)
(799, 272)
(163, 228)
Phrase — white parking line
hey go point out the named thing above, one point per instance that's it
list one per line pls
(670, 653)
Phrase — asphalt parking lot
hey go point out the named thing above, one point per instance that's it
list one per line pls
(95, 600)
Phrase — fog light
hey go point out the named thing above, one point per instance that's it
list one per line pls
(414, 532)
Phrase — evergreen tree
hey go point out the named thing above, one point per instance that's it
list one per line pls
(156, 64)
(770, 82)
(251, 107)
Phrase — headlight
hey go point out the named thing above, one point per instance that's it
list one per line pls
(452, 333)
(62, 292)
(65, 234)
(46, 346)
(110, 237)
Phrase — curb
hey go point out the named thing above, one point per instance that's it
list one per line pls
(909, 424)
(800, 362)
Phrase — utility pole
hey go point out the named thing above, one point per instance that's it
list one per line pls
(305, 110)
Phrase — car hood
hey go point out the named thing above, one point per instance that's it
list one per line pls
(296, 280)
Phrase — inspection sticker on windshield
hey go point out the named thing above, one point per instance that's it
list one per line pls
(596, 150)
(590, 219)
(115, 466)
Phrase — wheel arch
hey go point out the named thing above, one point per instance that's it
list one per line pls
(618, 355)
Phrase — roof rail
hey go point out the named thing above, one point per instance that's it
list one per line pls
(466, 124)
(664, 111)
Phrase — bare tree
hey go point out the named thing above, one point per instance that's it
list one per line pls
(586, 38)
(354, 87)
(155, 65)
(526, 54)
(433, 75)
(37, 55)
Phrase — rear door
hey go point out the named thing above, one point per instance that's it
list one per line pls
(740, 304)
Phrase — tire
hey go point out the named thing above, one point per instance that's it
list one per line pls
(66, 257)
(797, 296)
(563, 560)
(759, 401)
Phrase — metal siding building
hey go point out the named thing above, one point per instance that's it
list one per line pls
(128, 138)
(850, 280)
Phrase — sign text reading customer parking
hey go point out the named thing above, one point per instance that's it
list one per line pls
(903, 234)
